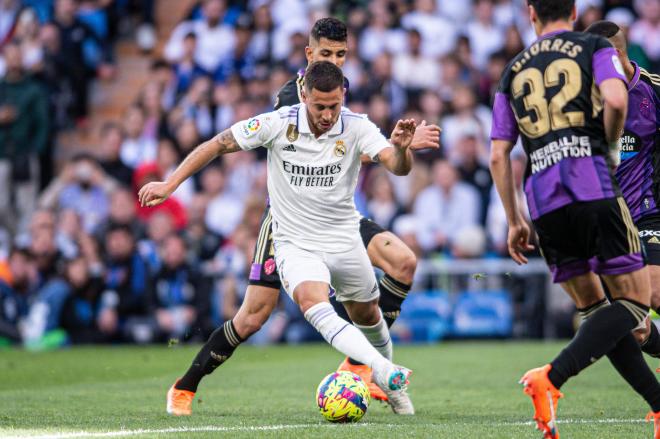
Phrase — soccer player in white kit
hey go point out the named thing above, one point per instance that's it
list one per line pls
(314, 151)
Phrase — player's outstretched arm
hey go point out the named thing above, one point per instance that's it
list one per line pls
(615, 100)
(500, 168)
(426, 136)
(399, 159)
(156, 192)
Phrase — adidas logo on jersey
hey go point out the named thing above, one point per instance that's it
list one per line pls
(289, 147)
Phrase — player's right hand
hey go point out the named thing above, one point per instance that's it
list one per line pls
(518, 241)
(154, 193)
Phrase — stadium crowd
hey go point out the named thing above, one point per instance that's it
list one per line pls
(81, 261)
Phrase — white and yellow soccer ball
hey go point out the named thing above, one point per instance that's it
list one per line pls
(343, 397)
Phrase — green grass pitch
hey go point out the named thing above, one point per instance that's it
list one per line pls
(460, 390)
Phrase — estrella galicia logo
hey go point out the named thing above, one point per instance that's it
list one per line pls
(629, 145)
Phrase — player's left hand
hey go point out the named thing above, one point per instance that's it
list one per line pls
(403, 133)
(518, 241)
(426, 136)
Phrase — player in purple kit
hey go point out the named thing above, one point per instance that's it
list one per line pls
(639, 171)
(565, 95)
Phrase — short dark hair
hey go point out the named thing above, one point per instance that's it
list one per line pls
(603, 28)
(330, 28)
(552, 10)
(323, 76)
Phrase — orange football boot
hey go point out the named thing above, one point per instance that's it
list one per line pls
(364, 372)
(544, 397)
(179, 402)
(656, 423)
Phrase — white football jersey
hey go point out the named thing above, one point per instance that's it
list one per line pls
(311, 182)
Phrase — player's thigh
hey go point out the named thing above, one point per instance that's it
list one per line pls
(565, 252)
(389, 253)
(257, 306)
(352, 275)
(309, 293)
(297, 266)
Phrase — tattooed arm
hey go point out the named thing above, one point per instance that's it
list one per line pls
(156, 192)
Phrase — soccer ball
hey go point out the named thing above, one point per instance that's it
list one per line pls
(343, 397)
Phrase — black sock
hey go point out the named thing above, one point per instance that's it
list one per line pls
(595, 338)
(392, 295)
(216, 350)
(652, 343)
(588, 311)
(628, 360)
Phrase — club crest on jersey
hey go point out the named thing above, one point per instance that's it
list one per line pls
(251, 127)
(292, 133)
(340, 149)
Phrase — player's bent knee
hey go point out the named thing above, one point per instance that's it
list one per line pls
(310, 293)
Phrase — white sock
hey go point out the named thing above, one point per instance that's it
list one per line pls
(379, 337)
(343, 336)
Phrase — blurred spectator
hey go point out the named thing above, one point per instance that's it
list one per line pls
(138, 146)
(496, 222)
(231, 265)
(123, 313)
(468, 117)
(261, 42)
(381, 202)
(73, 35)
(122, 212)
(241, 61)
(646, 30)
(180, 297)
(159, 227)
(472, 170)
(444, 208)
(225, 210)
(26, 35)
(215, 39)
(413, 70)
(15, 293)
(8, 12)
(187, 69)
(112, 138)
(81, 309)
(438, 33)
(202, 242)
(23, 135)
(83, 187)
(196, 106)
(489, 81)
(485, 37)
(380, 36)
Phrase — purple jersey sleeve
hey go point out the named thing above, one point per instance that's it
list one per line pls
(606, 65)
(504, 126)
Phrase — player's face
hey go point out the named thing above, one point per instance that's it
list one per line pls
(326, 50)
(323, 108)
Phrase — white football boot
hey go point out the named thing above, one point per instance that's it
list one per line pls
(393, 380)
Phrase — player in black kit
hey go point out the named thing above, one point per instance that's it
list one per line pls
(566, 95)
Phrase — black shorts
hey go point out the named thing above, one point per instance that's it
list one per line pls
(649, 233)
(263, 271)
(596, 236)
(369, 229)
